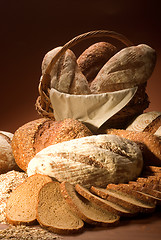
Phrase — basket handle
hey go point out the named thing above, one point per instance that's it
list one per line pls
(45, 79)
(74, 41)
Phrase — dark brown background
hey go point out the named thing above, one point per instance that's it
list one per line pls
(29, 29)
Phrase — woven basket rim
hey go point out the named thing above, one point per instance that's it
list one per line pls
(43, 104)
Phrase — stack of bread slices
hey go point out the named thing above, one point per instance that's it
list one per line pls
(65, 209)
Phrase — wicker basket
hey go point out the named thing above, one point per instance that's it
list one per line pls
(135, 107)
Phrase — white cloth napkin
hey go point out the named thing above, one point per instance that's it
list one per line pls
(93, 109)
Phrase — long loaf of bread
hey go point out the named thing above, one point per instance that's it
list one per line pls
(149, 144)
(97, 160)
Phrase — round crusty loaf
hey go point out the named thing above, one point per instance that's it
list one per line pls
(146, 122)
(93, 160)
(94, 57)
(7, 161)
(38, 134)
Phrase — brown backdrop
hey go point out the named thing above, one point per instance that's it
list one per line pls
(29, 29)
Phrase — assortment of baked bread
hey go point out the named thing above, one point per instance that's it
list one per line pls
(78, 177)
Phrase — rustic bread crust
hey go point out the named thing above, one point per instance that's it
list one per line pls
(94, 57)
(38, 134)
(149, 144)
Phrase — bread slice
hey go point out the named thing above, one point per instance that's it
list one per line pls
(134, 191)
(21, 205)
(147, 190)
(54, 214)
(125, 200)
(86, 210)
(102, 203)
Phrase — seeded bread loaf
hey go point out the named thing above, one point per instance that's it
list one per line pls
(86, 210)
(150, 144)
(7, 161)
(38, 134)
(98, 160)
(93, 58)
(22, 203)
(54, 214)
(146, 122)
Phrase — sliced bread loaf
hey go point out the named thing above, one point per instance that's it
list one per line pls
(21, 205)
(54, 213)
(86, 210)
(104, 204)
(134, 191)
(125, 200)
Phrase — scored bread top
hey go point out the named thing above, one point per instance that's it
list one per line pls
(98, 159)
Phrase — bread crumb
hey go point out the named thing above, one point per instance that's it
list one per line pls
(26, 233)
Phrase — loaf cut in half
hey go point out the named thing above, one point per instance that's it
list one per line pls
(103, 203)
(87, 210)
(54, 214)
(125, 200)
(21, 205)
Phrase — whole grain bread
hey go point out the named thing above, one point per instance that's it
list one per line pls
(38, 134)
(128, 68)
(87, 210)
(149, 144)
(21, 204)
(102, 203)
(99, 159)
(65, 75)
(94, 57)
(125, 200)
(54, 214)
(134, 191)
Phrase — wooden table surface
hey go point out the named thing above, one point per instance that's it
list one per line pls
(144, 227)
